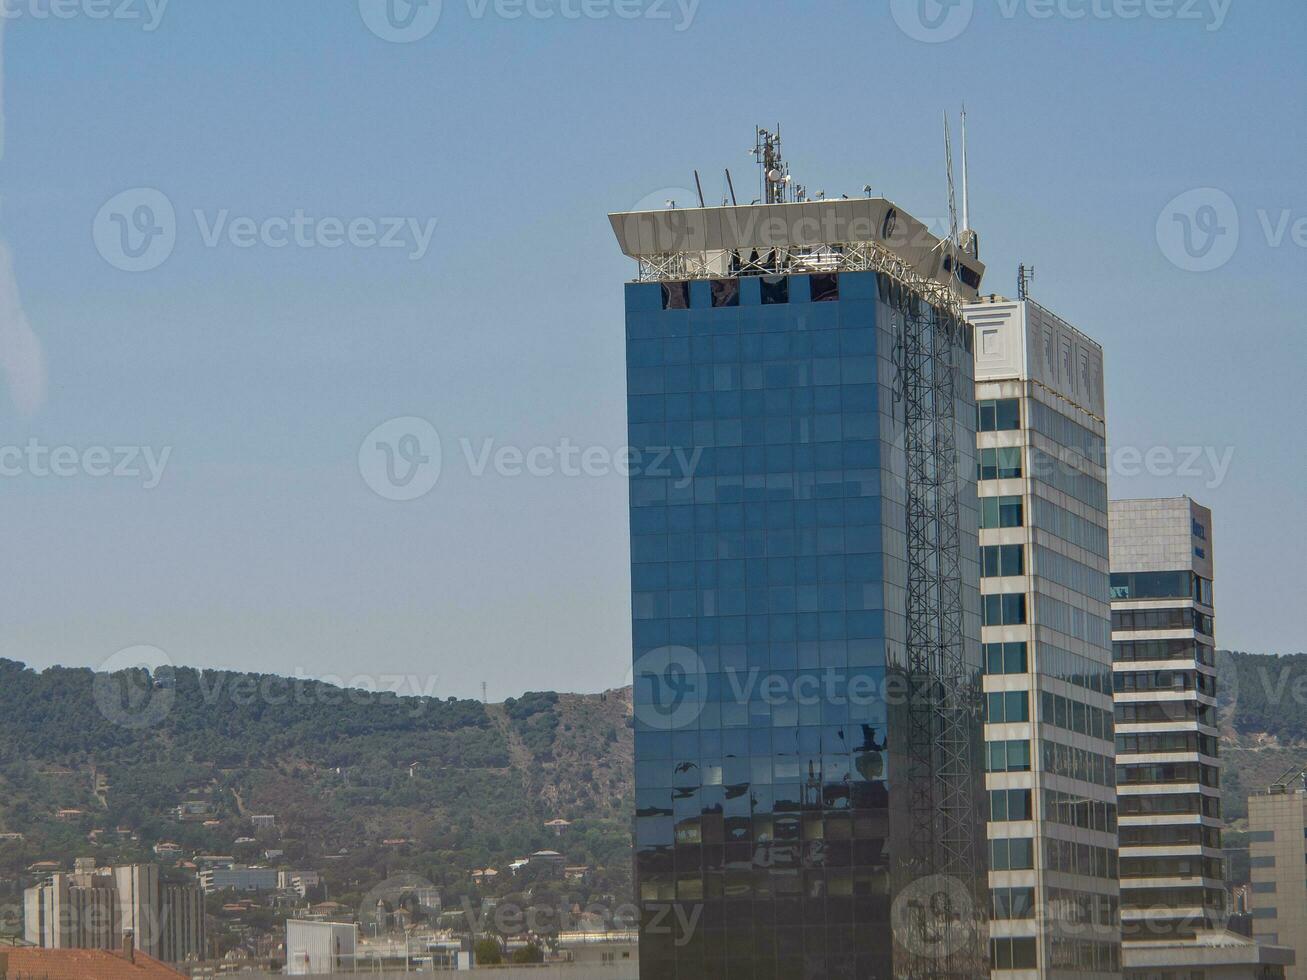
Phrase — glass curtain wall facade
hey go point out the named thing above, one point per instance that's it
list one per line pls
(1041, 460)
(769, 572)
(1169, 775)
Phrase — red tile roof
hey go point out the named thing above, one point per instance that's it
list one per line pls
(82, 964)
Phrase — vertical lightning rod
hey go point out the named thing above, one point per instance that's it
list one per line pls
(966, 181)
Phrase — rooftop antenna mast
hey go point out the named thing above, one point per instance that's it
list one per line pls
(969, 241)
(966, 178)
(954, 248)
(1025, 276)
(699, 188)
(730, 184)
(773, 174)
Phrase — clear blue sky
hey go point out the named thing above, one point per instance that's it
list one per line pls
(263, 547)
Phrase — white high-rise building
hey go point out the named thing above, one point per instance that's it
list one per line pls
(1046, 633)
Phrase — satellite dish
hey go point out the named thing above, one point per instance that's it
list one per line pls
(774, 175)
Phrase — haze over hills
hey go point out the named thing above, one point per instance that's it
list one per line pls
(363, 785)
(459, 785)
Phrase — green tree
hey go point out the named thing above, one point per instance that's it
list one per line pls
(488, 953)
(529, 954)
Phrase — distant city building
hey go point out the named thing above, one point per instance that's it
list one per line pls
(238, 879)
(1168, 773)
(606, 948)
(140, 903)
(72, 911)
(1041, 454)
(320, 947)
(194, 811)
(1277, 829)
(96, 908)
(1174, 903)
(203, 861)
(550, 858)
(181, 929)
(298, 881)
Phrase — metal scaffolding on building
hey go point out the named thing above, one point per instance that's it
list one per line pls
(942, 702)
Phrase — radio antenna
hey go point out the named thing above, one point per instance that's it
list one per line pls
(1025, 275)
(966, 179)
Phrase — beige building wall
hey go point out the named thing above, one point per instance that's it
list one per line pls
(1055, 656)
(1278, 856)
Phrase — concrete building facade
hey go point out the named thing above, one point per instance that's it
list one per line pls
(1172, 879)
(238, 879)
(1048, 693)
(1168, 768)
(314, 948)
(98, 908)
(1277, 831)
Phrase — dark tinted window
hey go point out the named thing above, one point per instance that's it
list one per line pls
(775, 289)
(725, 292)
(1002, 415)
(676, 296)
(825, 288)
(1152, 585)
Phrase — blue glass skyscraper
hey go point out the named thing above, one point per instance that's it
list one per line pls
(787, 825)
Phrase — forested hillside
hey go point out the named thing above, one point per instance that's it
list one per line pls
(1263, 710)
(362, 784)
